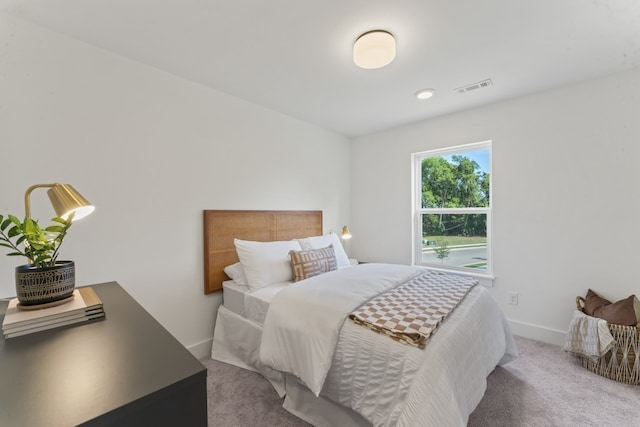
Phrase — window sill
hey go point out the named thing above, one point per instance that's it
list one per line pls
(485, 280)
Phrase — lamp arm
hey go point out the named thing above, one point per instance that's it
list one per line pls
(27, 194)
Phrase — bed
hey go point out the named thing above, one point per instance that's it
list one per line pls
(365, 378)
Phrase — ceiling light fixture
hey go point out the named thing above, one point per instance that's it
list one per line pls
(374, 49)
(425, 93)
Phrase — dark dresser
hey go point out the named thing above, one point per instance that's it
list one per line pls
(124, 370)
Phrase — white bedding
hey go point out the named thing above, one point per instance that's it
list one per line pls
(256, 303)
(391, 384)
(387, 382)
(250, 304)
(304, 320)
(233, 296)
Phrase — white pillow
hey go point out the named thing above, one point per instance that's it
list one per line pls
(265, 263)
(236, 273)
(319, 242)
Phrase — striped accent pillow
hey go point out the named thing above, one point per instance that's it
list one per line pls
(312, 262)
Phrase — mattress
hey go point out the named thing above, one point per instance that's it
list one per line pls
(233, 296)
(252, 305)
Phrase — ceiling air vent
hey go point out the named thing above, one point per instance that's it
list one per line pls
(473, 86)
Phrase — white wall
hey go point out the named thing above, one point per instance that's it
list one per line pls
(151, 151)
(565, 198)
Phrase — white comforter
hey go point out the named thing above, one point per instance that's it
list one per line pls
(387, 382)
(303, 321)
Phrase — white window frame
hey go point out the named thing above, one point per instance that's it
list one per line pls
(418, 210)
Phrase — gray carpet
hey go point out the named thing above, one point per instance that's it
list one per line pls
(546, 386)
(543, 387)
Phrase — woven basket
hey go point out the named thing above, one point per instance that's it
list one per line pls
(622, 362)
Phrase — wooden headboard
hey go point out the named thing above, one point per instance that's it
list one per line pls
(221, 227)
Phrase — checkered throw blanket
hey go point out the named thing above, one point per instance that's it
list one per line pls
(411, 312)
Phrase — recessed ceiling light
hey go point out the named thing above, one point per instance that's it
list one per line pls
(425, 93)
(374, 49)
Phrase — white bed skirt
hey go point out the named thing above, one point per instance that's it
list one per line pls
(320, 412)
(236, 341)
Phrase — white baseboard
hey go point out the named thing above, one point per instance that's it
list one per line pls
(201, 350)
(538, 333)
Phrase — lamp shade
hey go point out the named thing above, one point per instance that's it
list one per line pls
(374, 49)
(66, 201)
(346, 233)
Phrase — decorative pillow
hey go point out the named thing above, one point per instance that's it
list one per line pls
(593, 301)
(312, 262)
(265, 263)
(619, 313)
(318, 242)
(236, 273)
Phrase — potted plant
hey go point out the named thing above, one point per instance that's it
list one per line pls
(44, 279)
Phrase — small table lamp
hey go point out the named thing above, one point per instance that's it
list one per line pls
(64, 199)
(346, 233)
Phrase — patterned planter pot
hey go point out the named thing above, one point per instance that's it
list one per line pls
(45, 285)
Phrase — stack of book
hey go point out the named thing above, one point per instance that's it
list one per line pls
(83, 307)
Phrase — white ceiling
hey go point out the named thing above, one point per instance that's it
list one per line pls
(294, 56)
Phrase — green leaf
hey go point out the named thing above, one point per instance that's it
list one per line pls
(41, 244)
(14, 231)
(29, 227)
(54, 229)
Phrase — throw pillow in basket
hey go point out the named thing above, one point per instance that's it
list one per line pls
(624, 312)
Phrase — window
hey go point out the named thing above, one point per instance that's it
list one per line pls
(452, 208)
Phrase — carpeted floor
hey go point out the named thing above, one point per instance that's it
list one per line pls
(544, 387)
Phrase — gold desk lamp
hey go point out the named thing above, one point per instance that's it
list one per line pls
(64, 199)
